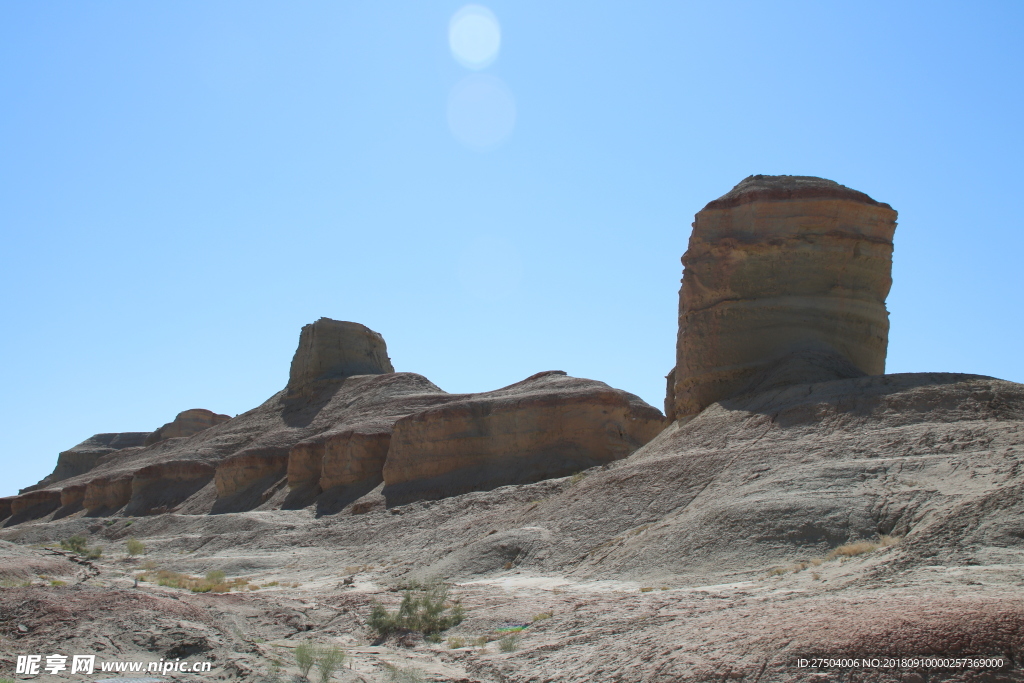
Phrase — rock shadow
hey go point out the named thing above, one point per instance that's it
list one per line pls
(334, 500)
(164, 496)
(489, 476)
(252, 496)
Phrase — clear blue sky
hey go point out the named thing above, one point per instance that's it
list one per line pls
(183, 185)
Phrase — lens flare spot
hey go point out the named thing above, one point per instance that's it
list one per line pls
(474, 36)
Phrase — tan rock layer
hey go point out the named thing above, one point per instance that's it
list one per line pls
(46, 500)
(238, 472)
(781, 264)
(108, 493)
(72, 496)
(548, 425)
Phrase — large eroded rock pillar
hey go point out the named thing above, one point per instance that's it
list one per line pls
(781, 266)
(335, 349)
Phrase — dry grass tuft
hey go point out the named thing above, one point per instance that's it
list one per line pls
(861, 547)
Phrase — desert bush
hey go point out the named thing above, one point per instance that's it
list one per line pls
(647, 589)
(76, 544)
(94, 553)
(328, 659)
(58, 582)
(427, 610)
(304, 657)
(454, 643)
(134, 547)
(509, 642)
(401, 675)
(215, 576)
(542, 616)
(482, 641)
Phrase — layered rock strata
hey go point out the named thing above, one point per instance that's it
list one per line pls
(781, 265)
(187, 423)
(548, 425)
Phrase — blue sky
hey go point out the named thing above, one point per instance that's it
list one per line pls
(184, 185)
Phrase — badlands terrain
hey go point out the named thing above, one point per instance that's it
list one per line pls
(795, 503)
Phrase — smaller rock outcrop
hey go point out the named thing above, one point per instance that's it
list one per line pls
(83, 457)
(548, 425)
(187, 423)
(336, 349)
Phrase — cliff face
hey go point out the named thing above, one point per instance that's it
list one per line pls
(548, 425)
(781, 265)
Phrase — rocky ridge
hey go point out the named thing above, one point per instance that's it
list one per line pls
(327, 439)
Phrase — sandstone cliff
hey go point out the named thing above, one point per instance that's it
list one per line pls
(777, 266)
(548, 425)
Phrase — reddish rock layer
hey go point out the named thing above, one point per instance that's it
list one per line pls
(781, 265)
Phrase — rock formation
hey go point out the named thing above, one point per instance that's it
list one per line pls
(187, 423)
(335, 349)
(331, 430)
(548, 425)
(781, 265)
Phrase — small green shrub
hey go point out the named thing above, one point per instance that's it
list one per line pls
(509, 642)
(304, 657)
(58, 582)
(647, 589)
(482, 641)
(76, 544)
(454, 643)
(135, 547)
(94, 553)
(427, 610)
(110, 522)
(215, 576)
(328, 659)
(542, 616)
